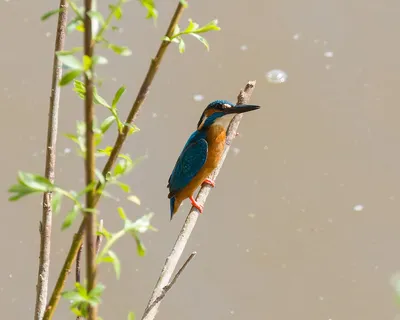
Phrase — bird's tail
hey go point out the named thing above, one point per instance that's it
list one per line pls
(174, 206)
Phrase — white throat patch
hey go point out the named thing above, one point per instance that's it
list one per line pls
(225, 120)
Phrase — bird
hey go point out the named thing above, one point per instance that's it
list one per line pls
(202, 152)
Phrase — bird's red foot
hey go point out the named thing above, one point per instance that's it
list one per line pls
(196, 205)
(209, 182)
(236, 134)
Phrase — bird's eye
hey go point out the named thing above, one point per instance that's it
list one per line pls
(225, 105)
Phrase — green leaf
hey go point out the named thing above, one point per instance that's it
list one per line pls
(50, 13)
(105, 234)
(133, 128)
(99, 100)
(141, 249)
(106, 124)
(70, 218)
(131, 316)
(87, 62)
(211, 26)
(181, 45)
(81, 289)
(69, 76)
(134, 199)
(19, 191)
(165, 38)
(116, 11)
(141, 225)
(74, 24)
(69, 60)
(73, 296)
(152, 13)
(124, 187)
(121, 213)
(192, 26)
(56, 202)
(35, 182)
(80, 27)
(117, 96)
(80, 141)
(99, 60)
(95, 293)
(121, 50)
(116, 263)
(202, 40)
(106, 151)
(77, 312)
(123, 166)
(79, 88)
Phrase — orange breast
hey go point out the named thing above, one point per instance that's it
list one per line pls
(216, 137)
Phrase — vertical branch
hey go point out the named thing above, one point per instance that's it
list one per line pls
(90, 215)
(144, 89)
(45, 226)
(184, 235)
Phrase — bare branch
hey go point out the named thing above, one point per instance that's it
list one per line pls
(184, 234)
(169, 286)
(46, 223)
(144, 89)
(78, 265)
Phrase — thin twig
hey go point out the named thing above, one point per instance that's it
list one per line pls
(184, 234)
(99, 238)
(78, 265)
(90, 164)
(52, 128)
(169, 286)
(144, 89)
(78, 270)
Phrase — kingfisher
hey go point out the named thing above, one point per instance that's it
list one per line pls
(202, 152)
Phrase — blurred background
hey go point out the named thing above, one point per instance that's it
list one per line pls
(303, 222)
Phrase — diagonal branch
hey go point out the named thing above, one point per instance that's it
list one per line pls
(52, 128)
(144, 89)
(183, 237)
(169, 286)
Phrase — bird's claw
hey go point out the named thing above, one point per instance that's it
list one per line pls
(209, 182)
(196, 205)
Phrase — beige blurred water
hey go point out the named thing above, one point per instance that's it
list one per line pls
(279, 238)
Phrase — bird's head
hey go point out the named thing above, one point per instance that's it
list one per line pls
(221, 112)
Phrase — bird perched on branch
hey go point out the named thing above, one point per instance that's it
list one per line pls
(202, 152)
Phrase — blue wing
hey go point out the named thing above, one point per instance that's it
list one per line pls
(189, 163)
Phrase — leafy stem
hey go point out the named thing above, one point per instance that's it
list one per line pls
(77, 241)
(115, 11)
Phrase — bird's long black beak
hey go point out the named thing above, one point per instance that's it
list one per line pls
(241, 108)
